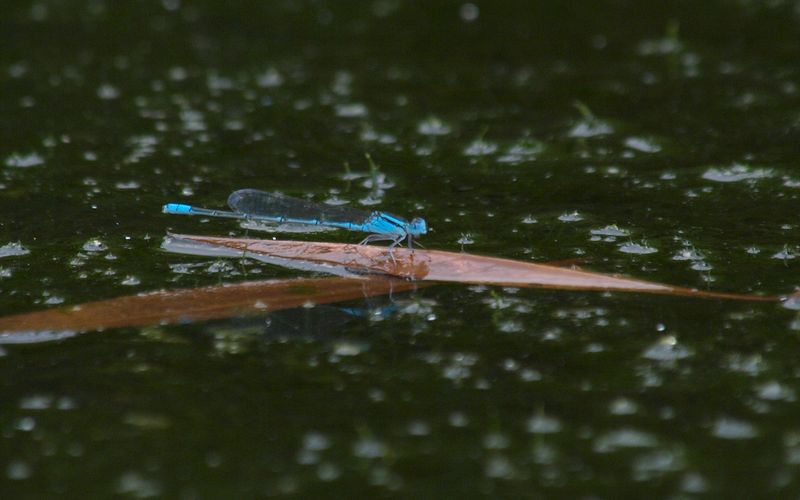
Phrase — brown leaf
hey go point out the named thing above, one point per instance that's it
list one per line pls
(436, 265)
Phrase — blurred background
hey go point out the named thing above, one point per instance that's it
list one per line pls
(656, 140)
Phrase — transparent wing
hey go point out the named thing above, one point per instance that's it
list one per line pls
(255, 202)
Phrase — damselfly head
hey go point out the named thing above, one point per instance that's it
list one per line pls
(417, 226)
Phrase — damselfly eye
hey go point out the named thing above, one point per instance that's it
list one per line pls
(418, 226)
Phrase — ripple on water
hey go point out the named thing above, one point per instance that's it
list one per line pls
(13, 250)
(736, 173)
(656, 463)
(18, 160)
(368, 447)
(775, 391)
(731, 428)
(667, 348)
(623, 406)
(624, 438)
(642, 144)
(352, 110)
(543, 424)
(499, 467)
(269, 78)
(95, 245)
(107, 92)
(135, 484)
(612, 231)
(18, 470)
(574, 216)
(590, 127)
(35, 337)
(433, 126)
(480, 147)
(637, 248)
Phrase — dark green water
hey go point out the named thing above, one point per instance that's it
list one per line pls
(685, 139)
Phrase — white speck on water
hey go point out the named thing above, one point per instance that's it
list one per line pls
(590, 127)
(378, 181)
(17, 160)
(433, 126)
(480, 147)
(543, 424)
(5, 272)
(216, 83)
(656, 463)
(611, 230)
(736, 172)
(468, 12)
(192, 120)
(369, 448)
(702, 266)
(525, 150)
(687, 254)
(342, 83)
(142, 146)
(624, 438)
(668, 176)
(419, 428)
(36, 402)
(307, 457)
(270, 78)
(25, 424)
(529, 219)
(667, 348)
(66, 403)
(510, 326)
(328, 472)
(496, 441)
(124, 186)
(35, 337)
(574, 216)
(623, 406)
(465, 239)
(302, 104)
(107, 92)
(316, 441)
(18, 470)
(177, 74)
(13, 250)
(456, 372)
(637, 249)
(530, 375)
(731, 428)
(499, 467)
(94, 245)
(18, 69)
(369, 134)
(751, 365)
(131, 281)
(785, 254)
(353, 110)
(134, 484)
(458, 419)
(642, 144)
(233, 124)
(775, 391)
(694, 483)
(345, 348)
(659, 46)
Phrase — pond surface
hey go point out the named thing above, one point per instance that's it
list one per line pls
(660, 143)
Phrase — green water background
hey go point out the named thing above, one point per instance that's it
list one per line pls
(657, 140)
